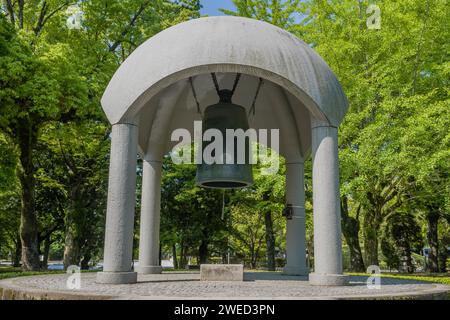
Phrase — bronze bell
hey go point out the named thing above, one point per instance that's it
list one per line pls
(222, 116)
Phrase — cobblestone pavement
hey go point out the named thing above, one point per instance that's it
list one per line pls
(258, 285)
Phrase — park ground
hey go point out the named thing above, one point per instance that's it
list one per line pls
(442, 278)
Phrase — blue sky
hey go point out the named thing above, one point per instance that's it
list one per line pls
(211, 7)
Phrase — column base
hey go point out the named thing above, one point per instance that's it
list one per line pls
(295, 271)
(149, 269)
(326, 279)
(116, 277)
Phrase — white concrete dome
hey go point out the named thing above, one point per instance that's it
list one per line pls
(151, 87)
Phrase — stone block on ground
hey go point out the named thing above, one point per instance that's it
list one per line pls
(221, 272)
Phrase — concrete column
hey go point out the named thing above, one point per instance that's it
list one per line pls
(150, 216)
(296, 230)
(326, 205)
(118, 253)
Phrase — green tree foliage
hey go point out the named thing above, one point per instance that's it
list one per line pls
(394, 141)
(39, 84)
(191, 217)
(401, 237)
(393, 78)
(394, 147)
(257, 227)
(52, 73)
(73, 171)
(282, 13)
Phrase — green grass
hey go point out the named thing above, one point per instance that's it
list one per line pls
(10, 272)
(436, 278)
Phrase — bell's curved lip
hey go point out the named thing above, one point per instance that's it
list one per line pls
(240, 183)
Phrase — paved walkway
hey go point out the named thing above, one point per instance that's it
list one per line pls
(171, 285)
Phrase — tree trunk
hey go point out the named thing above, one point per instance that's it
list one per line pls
(406, 264)
(409, 262)
(17, 252)
(443, 255)
(203, 252)
(183, 256)
(371, 239)
(44, 263)
(310, 253)
(71, 250)
(84, 264)
(21, 9)
(350, 229)
(253, 256)
(270, 241)
(27, 137)
(371, 249)
(253, 262)
(71, 242)
(432, 237)
(71, 246)
(174, 253)
(224, 256)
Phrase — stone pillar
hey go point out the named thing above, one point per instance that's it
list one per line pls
(326, 205)
(296, 230)
(150, 216)
(118, 253)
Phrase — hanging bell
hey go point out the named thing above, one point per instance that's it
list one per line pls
(222, 116)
